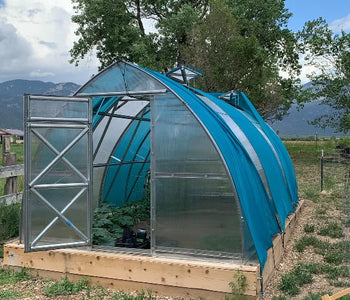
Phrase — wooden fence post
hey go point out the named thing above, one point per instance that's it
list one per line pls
(8, 159)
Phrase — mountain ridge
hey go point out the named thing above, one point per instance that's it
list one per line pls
(295, 124)
(11, 97)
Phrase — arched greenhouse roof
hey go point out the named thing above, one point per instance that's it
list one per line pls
(193, 142)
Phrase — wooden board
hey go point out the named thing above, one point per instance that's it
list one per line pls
(137, 271)
(274, 254)
(164, 276)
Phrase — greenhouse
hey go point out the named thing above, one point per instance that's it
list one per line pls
(220, 182)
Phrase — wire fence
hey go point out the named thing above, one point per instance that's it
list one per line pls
(320, 167)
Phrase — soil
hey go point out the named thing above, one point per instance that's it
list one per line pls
(292, 258)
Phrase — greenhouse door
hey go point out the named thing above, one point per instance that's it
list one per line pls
(58, 172)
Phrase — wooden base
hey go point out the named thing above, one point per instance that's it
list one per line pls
(164, 276)
(279, 242)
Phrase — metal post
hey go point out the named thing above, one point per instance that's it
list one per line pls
(322, 158)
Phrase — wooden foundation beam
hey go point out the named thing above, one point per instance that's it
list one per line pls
(164, 276)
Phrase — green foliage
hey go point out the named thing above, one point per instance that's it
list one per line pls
(334, 253)
(309, 228)
(12, 277)
(303, 274)
(109, 220)
(9, 220)
(64, 287)
(280, 298)
(235, 51)
(328, 52)
(332, 230)
(140, 296)
(238, 286)
(1, 251)
(314, 296)
(10, 294)
(239, 44)
(292, 281)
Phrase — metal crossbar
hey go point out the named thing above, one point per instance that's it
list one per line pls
(37, 239)
(59, 215)
(59, 156)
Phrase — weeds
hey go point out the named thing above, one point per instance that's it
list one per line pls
(238, 286)
(335, 253)
(64, 287)
(10, 294)
(303, 274)
(332, 230)
(309, 228)
(9, 220)
(12, 277)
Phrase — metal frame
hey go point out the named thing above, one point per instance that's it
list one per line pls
(31, 186)
(142, 112)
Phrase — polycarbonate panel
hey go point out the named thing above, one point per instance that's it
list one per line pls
(197, 214)
(115, 129)
(41, 155)
(193, 197)
(58, 109)
(58, 166)
(121, 77)
(60, 232)
(181, 145)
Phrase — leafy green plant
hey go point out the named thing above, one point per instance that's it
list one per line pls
(332, 230)
(238, 286)
(109, 221)
(64, 287)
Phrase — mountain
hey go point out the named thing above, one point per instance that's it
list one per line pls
(11, 98)
(296, 123)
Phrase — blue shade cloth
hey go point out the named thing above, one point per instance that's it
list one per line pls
(257, 163)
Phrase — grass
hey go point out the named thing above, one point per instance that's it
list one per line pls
(10, 294)
(292, 281)
(336, 254)
(332, 230)
(309, 228)
(64, 287)
(12, 277)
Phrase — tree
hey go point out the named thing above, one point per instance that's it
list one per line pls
(329, 54)
(239, 44)
(115, 29)
(235, 53)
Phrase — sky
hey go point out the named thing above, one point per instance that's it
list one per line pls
(36, 35)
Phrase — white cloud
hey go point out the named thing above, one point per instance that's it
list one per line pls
(341, 24)
(35, 38)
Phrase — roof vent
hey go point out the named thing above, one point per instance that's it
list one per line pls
(184, 73)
